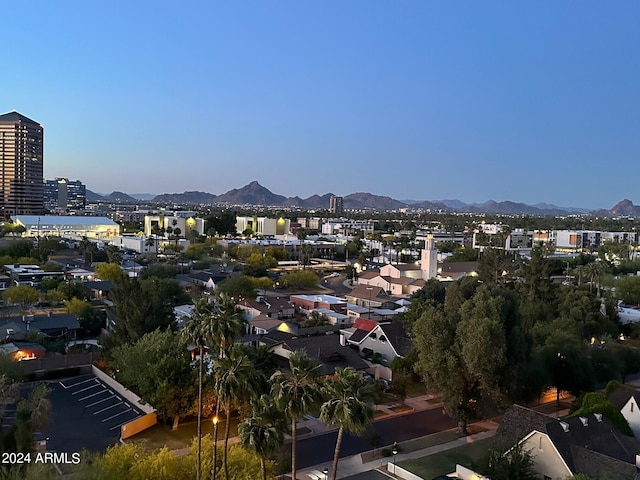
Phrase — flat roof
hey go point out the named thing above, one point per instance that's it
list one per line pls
(47, 221)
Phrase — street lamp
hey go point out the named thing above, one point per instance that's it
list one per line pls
(214, 470)
(394, 450)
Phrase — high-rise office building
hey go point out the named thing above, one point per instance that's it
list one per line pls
(336, 205)
(62, 194)
(21, 165)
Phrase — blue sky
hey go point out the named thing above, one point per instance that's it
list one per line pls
(523, 101)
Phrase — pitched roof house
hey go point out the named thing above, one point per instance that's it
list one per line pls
(325, 350)
(560, 448)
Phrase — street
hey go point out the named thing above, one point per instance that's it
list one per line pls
(319, 449)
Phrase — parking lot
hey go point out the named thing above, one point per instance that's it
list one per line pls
(86, 413)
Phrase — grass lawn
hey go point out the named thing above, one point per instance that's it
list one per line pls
(445, 462)
(415, 389)
(159, 435)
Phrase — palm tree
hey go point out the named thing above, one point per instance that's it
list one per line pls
(236, 380)
(594, 272)
(296, 392)
(226, 328)
(349, 406)
(198, 331)
(263, 432)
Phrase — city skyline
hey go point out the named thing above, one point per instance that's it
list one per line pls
(415, 101)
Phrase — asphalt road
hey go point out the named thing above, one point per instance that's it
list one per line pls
(319, 449)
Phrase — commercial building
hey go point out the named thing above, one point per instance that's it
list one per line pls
(62, 194)
(188, 225)
(21, 165)
(336, 205)
(263, 225)
(68, 226)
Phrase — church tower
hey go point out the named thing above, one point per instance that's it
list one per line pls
(429, 259)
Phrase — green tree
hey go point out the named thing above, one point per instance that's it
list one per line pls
(263, 432)
(300, 279)
(23, 295)
(464, 358)
(158, 368)
(108, 271)
(348, 406)
(296, 393)
(143, 306)
(76, 307)
(517, 463)
(237, 286)
(567, 363)
(628, 290)
(495, 266)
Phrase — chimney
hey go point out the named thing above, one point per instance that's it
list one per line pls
(565, 426)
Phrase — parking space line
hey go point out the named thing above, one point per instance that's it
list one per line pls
(116, 415)
(99, 401)
(93, 394)
(79, 383)
(100, 411)
(87, 388)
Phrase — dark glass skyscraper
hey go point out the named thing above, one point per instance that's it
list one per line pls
(21, 165)
(62, 195)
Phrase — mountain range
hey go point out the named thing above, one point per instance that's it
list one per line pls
(256, 194)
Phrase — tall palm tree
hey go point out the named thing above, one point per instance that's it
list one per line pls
(296, 392)
(595, 271)
(198, 332)
(226, 328)
(236, 380)
(349, 406)
(263, 432)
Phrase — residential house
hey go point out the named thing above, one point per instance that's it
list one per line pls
(451, 271)
(325, 349)
(627, 400)
(207, 279)
(591, 445)
(53, 325)
(19, 351)
(29, 274)
(269, 307)
(98, 290)
(333, 317)
(386, 341)
(307, 303)
(262, 325)
(370, 297)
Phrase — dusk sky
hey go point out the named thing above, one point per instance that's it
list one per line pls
(426, 100)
